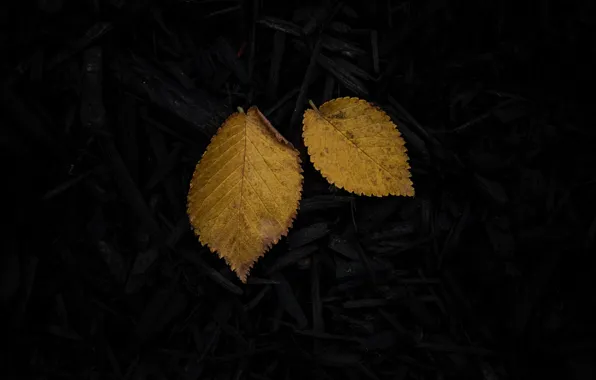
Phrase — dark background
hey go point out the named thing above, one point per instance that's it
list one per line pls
(488, 273)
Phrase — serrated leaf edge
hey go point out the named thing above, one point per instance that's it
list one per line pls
(326, 175)
(243, 277)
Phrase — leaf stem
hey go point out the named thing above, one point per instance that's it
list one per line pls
(312, 105)
(240, 109)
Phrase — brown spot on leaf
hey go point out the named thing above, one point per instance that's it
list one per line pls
(242, 272)
(242, 241)
(267, 229)
(353, 119)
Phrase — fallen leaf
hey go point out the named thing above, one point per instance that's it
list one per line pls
(356, 146)
(245, 190)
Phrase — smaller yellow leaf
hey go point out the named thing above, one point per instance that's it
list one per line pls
(356, 146)
(245, 190)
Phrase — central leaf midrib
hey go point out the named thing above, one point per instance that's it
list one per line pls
(243, 170)
(355, 145)
(245, 162)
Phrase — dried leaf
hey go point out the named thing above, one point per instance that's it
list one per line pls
(245, 190)
(356, 146)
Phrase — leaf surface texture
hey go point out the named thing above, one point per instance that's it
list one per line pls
(356, 146)
(245, 190)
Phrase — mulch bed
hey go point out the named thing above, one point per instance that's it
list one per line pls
(487, 273)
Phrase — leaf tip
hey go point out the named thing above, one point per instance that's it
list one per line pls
(242, 272)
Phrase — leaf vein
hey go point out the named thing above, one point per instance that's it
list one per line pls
(221, 155)
(217, 187)
(356, 146)
(265, 206)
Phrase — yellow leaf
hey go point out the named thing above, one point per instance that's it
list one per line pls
(245, 190)
(356, 146)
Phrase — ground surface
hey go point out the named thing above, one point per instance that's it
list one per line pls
(486, 274)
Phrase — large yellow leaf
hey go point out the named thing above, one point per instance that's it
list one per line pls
(245, 190)
(356, 146)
